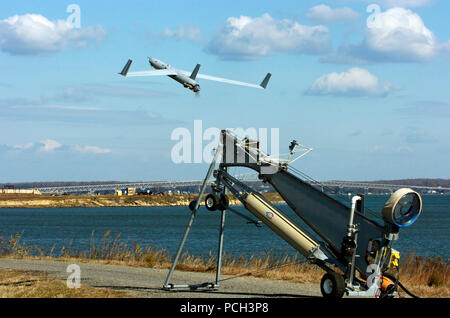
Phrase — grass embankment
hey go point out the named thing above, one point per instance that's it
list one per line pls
(425, 277)
(106, 200)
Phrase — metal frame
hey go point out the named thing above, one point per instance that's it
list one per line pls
(324, 254)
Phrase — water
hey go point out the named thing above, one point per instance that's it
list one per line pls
(163, 227)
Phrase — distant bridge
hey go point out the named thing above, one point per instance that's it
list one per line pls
(92, 188)
(377, 186)
(323, 185)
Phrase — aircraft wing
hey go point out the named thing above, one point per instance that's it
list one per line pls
(125, 72)
(225, 80)
(152, 73)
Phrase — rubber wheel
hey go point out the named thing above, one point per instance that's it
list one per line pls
(192, 205)
(212, 202)
(332, 286)
(224, 202)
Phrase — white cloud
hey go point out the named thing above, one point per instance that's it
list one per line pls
(23, 147)
(247, 38)
(401, 34)
(33, 34)
(406, 3)
(324, 14)
(49, 145)
(354, 82)
(395, 35)
(91, 149)
(189, 32)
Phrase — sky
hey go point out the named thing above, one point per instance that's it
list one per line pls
(363, 83)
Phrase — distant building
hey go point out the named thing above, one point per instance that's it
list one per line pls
(20, 191)
(118, 192)
(131, 191)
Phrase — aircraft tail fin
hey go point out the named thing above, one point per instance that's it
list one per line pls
(126, 68)
(265, 80)
(195, 71)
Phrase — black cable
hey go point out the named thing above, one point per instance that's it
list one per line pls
(407, 291)
(401, 285)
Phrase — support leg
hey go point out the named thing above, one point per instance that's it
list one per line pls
(167, 284)
(220, 249)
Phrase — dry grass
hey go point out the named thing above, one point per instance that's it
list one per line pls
(107, 200)
(20, 284)
(268, 267)
(426, 277)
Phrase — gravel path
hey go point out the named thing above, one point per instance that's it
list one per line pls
(148, 282)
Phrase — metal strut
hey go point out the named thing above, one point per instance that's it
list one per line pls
(168, 285)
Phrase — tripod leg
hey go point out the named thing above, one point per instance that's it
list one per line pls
(191, 220)
(220, 249)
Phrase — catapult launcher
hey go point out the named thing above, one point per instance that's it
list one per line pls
(355, 251)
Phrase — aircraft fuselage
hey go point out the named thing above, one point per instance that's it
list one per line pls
(181, 78)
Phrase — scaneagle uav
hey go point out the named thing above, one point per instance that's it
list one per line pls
(187, 79)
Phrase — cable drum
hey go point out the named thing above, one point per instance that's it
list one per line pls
(403, 207)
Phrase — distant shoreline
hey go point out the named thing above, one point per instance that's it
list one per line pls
(434, 182)
(110, 200)
(107, 200)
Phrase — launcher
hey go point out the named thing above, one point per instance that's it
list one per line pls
(355, 251)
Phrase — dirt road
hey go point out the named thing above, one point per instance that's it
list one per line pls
(148, 282)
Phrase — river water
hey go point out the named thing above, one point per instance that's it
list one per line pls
(163, 227)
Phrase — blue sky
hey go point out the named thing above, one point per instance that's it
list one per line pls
(368, 91)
